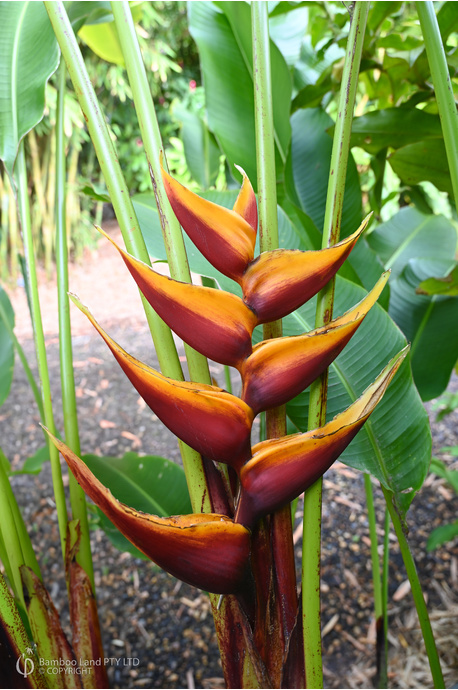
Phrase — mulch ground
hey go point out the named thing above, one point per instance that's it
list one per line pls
(164, 627)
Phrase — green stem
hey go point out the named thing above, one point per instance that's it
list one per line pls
(376, 579)
(417, 593)
(265, 159)
(128, 223)
(151, 137)
(442, 86)
(385, 581)
(311, 553)
(376, 582)
(25, 364)
(10, 537)
(111, 169)
(40, 347)
(28, 553)
(281, 536)
(77, 495)
(13, 235)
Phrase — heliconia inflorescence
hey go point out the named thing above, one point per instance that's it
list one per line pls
(212, 551)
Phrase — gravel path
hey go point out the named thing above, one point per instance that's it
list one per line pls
(147, 615)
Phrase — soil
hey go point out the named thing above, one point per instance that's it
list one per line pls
(163, 627)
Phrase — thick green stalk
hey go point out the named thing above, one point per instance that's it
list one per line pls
(40, 347)
(111, 169)
(77, 495)
(10, 538)
(376, 579)
(311, 552)
(417, 593)
(265, 159)
(151, 136)
(13, 235)
(28, 554)
(383, 680)
(4, 201)
(128, 223)
(25, 364)
(442, 86)
(281, 537)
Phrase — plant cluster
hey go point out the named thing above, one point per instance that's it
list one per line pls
(265, 104)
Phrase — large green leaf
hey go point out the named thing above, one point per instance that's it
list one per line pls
(103, 40)
(430, 323)
(409, 235)
(395, 444)
(287, 30)
(28, 56)
(148, 483)
(6, 347)
(425, 160)
(306, 182)
(200, 148)
(307, 170)
(395, 127)
(102, 37)
(222, 32)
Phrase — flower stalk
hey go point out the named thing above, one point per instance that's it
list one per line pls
(311, 552)
(40, 347)
(152, 141)
(420, 605)
(77, 495)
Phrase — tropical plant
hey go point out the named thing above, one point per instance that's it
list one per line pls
(237, 539)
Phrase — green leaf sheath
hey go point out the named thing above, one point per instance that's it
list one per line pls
(442, 86)
(334, 210)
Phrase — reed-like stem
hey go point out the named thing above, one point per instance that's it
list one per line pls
(77, 495)
(111, 169)
(376, 584)
(152, 141)
(442, 86)
(125, 214)
(417, 593)
(27, 554)
(40, 347)
(372, 519)
(28, 372)
(266, 176)
(311, 550)
(383, 677)
(10, 538)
